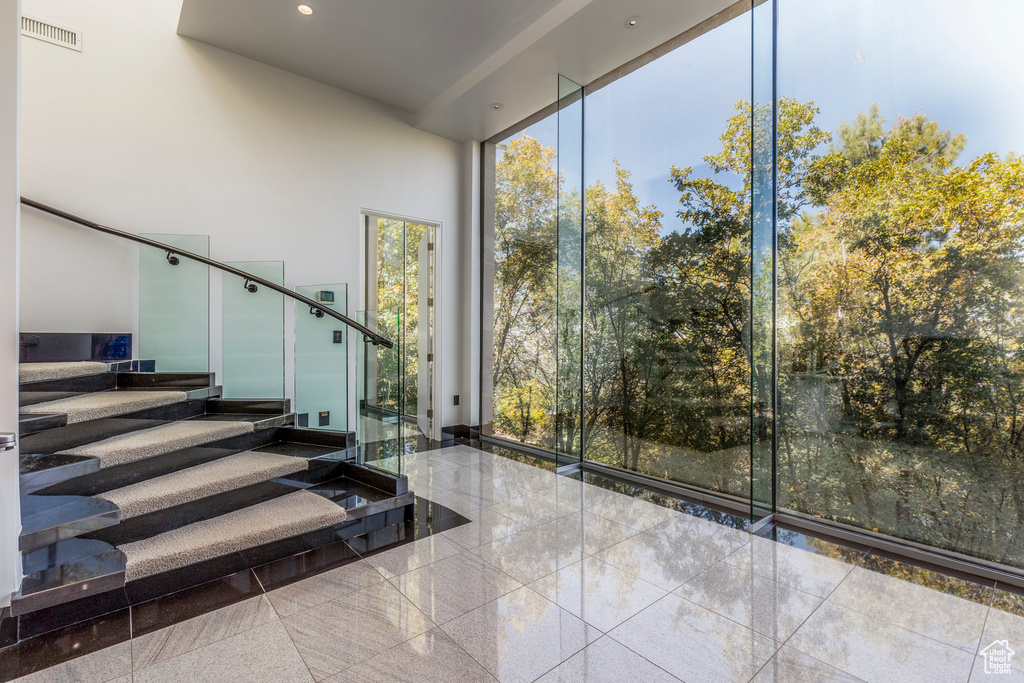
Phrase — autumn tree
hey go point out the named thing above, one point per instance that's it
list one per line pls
(525, 237)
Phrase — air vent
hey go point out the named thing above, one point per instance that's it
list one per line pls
(40, 29)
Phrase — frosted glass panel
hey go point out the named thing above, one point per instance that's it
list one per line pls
(174, 306)
(321, 360)
(253, 324)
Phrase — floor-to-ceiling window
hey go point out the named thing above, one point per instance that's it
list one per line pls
(666, 360)
(802, 278)
(520, 360)
(901, 279)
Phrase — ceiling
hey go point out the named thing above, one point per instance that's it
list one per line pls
(445, 62)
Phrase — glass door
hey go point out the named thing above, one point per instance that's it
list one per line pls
(400, 269)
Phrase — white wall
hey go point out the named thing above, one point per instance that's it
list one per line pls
(150, 132)
(10, 514)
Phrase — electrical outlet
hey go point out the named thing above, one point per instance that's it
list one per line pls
(456, 399)
(338, 336)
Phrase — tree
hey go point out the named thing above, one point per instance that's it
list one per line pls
(624, 373)
(901, 332)
(525, 237)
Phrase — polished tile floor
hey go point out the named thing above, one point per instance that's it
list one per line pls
(559, 580)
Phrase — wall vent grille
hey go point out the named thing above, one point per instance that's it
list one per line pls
(50, 32)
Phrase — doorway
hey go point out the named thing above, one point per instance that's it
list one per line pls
(400, 299)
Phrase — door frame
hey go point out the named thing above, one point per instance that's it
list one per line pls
(438, 227)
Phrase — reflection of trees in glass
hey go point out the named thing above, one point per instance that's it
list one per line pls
(900, 324)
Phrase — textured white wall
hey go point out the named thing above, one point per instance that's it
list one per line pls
(150, 132)
(10, 515)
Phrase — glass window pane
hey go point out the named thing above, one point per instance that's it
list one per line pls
(522, 354)
(900, 288)
(666, 366)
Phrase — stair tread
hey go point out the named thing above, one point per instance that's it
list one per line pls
(225, 474)
(44, 372)
(166, 438)
(105, 404)
(273, 520)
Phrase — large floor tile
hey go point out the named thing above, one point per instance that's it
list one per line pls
(520, 636)
(946, 618)
(534, 509)
(695, 644)
(801, 569)
(790, 666)
(413, 555)
(475, 484)
(321, 588)
(591, 532)
(200, 631)
(770, 608)
(874, 650)
(1006, 622)
(432, 656)
(464, 456)
(464, 505)
(632, 512)
(336, 635)
(498, 466)
(530, 554)
(598, 593)
(982, 674)
(570, 491)
(656, 561)
(449, 588)
(606, 661)
(486, 526)
(109, 664)
(262, 654)
(699, 535)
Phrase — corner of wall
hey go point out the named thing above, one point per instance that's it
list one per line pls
(10, 217)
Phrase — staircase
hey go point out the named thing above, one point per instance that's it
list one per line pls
(142, 483)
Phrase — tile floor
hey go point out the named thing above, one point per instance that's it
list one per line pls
(558, 580)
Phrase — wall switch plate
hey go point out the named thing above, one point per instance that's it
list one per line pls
(338, 336)
(325, 418)
(302, 419)
(456, 399)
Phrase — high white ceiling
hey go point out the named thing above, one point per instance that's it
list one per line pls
(445, 62)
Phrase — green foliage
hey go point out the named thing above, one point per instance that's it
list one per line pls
(525, 237)
(900, 323)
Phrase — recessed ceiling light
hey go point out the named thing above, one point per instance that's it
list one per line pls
(305, 9)
(497, 106)
(631, 22)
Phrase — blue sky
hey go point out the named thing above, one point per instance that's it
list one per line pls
(958, 63)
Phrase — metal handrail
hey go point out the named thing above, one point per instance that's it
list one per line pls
(251, 281)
